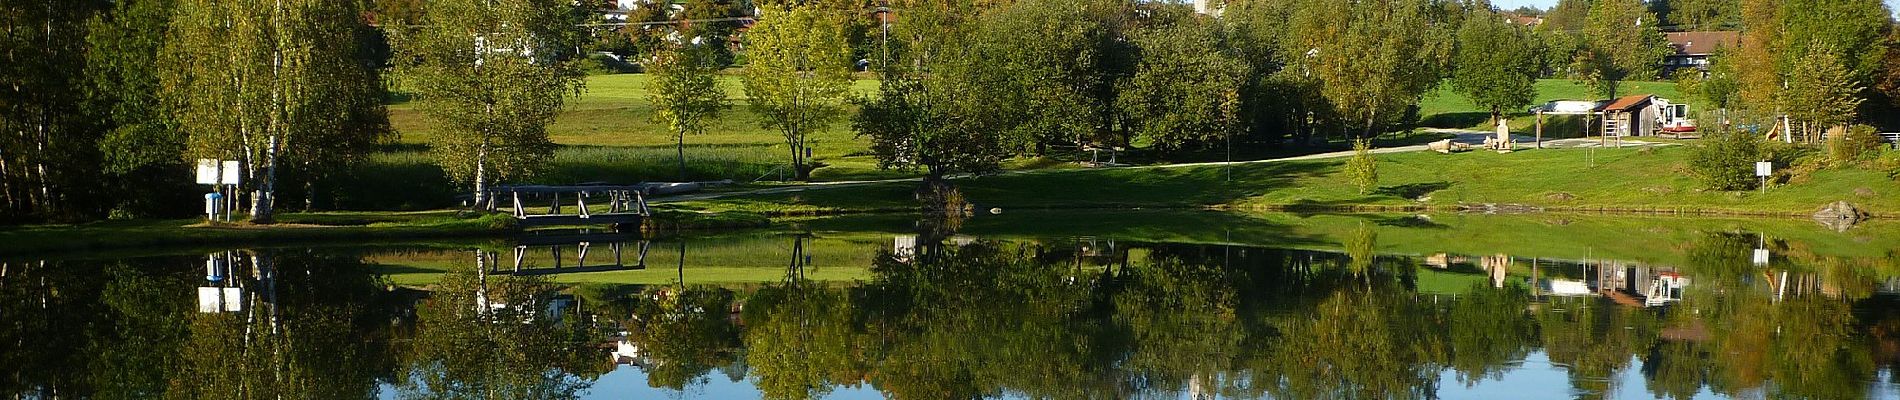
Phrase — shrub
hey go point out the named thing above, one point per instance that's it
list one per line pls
(1725, 160)
(1859, 143)
(1362, 170)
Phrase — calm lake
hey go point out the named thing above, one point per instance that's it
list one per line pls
(1082, 305)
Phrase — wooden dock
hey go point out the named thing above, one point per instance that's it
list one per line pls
(626, 205)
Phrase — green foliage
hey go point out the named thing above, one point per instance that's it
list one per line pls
(1720, 90)
(1362, 171)
(798, 72)
(1821, 91)
(1702, 15)
(140, 143)
(685, 94)
(1373, 59)
(491, 95)
(1060, 87)
(1496, 65)
(1725, 159)
(1623, 42)
(1185, 91)
(47, 151)
(278, 85)
(1854, 144)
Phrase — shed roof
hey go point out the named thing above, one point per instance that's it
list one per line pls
(1630, 102)
(1699, 43)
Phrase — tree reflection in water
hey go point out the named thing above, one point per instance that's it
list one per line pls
(479, 336)
(957, 317)
(968, 318)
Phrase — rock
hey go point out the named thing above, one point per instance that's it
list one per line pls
(1561, 196)
(1840, 216)
(1864, 191)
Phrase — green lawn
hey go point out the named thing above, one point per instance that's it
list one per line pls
(1623, 179)
(1444, 108)
(610, 123)
(294, 228)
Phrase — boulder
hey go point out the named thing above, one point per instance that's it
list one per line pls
(1840, 216)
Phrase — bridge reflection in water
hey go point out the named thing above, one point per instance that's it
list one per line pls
(549, 253)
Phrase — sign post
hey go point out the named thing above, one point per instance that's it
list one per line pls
(1763, 170)
(219, 174)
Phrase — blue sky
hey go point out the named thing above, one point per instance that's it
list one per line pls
(1545, 4)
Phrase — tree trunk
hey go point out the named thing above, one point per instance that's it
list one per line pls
(481, 176)
(681, 147)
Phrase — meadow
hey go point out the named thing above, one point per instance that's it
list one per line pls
(1650, 180)
(606, 135)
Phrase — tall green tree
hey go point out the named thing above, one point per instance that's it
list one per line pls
(274, 84)
(797, 75)
(1496, 65)
(1186, 88)
(47, 150)
(1821, 94)
(1702, 15)
(140, 141)
(1623, 41)
(685, 93)
(1374, 59)
(492, 74)
(943, 121)
(1074, 64)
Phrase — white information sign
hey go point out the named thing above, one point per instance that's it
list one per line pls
(1764, 169)
(1761, 257)
(207, 171)
(231, 172)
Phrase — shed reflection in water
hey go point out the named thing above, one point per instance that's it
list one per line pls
(962, 317)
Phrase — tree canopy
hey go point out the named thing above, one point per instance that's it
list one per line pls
(493, 74)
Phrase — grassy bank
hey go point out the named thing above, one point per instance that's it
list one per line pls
(292, 228)
(1631, 180)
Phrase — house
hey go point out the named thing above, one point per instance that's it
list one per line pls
(1694, 48)
(1523, 20)
(1645, 115)
(1207, 7)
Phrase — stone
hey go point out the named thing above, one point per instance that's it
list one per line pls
(1840, 216)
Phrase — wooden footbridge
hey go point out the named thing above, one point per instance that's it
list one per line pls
(626, 204)
(584, 244)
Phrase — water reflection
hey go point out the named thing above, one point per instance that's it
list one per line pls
(941, 315)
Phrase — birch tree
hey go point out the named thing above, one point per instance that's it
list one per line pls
(254, 80)
(797, 75)
(492, 75)
(45, 148)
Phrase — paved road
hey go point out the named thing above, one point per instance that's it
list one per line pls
(1474, 138)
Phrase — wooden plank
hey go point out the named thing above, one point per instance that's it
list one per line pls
(597, 219)
(570, 270)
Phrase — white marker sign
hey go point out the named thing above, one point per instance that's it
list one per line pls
(208, 173)
(1764, 169)
(231, 172)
